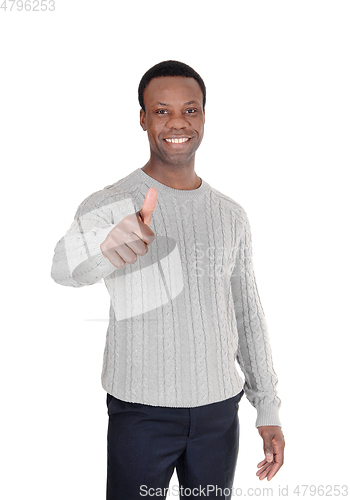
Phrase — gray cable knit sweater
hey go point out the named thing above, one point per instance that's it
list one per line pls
(183, 313)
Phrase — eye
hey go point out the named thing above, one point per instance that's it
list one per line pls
(161, 111)
(193, 110)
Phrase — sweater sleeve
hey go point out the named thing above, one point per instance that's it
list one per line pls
(78, 260)
(254, 354)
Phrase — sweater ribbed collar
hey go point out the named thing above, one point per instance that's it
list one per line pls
(166, 190)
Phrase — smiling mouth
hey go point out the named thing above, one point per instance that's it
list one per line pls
(181, 140)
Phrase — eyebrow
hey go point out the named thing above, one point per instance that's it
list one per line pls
(186, 103)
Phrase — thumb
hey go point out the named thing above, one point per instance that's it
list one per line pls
(268, 451)
(149, 205)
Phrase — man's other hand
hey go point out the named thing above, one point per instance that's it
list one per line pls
(274, 451)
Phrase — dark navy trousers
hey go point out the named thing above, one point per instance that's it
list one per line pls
(145, 443)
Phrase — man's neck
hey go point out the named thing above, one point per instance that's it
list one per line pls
(181, 177)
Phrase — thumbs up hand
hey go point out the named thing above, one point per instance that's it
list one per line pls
(132, 235)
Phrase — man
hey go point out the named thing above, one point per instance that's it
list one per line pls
(184, 307)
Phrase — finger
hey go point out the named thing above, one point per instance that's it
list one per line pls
(263, 469)
(265, 472)
(126, 253)
(114, 258)
(263, 462)
(138, 246)
(149, 205)
(273, 470)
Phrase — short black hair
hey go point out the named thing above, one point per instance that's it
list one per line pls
(169, 68)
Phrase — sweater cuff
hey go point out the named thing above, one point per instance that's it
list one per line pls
(96, 237)
(95, 265)
(268, 415)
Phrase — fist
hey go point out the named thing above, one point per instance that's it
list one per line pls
(132, 235)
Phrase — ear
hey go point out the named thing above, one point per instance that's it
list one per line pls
(143, 119)
(203, 115)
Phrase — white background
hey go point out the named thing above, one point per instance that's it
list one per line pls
(276, 141)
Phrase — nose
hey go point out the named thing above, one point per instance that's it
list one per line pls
(177, 121)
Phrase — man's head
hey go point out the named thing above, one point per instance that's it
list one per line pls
(169, 68)
(172, 99)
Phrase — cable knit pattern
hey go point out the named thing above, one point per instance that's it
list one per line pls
(184, 313)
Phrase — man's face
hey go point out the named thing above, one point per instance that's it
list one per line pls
(173, 111)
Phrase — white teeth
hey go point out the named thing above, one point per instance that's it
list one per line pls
(177, 141)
